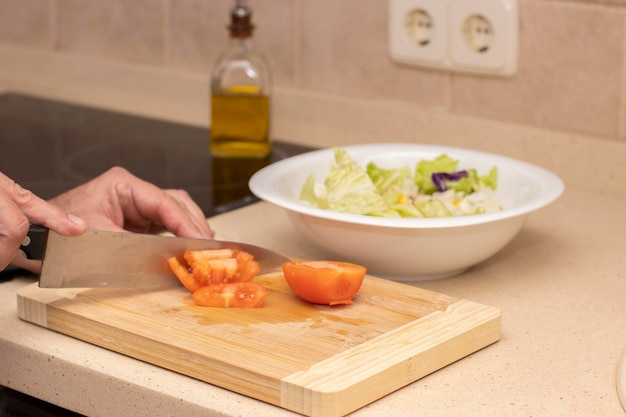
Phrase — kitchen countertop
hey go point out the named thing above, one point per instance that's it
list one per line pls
(560, 283)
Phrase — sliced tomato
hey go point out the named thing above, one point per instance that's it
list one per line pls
(192, 256)
(247, 267)
(222, 270)
(324, 282)
(220, 278)
(183, 275)
(238, 294)
(221, 265)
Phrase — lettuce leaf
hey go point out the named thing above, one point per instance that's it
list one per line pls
(388, 179)
(315, 196)
(490, 180)
(347, 188)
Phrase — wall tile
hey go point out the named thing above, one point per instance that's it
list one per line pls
(198, 34)
(568, 79)
(344, 51)
(118, 29)
(605, 2)
(276, 36)
(26, 22)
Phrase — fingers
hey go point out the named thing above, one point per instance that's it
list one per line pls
(117, 200)
(20, 207)
(192, 212)
(173, 210)
(39, 211)
(13, 227)
(145, 205)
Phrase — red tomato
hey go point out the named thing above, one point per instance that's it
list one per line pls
(221, 265)
(324, 282)
(183, 275)
(220, 278)
(247, 267)
(238, 294)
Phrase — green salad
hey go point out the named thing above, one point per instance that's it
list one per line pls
(432, 188)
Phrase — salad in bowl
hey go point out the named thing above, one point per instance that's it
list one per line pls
(432, 188)
(406, 211)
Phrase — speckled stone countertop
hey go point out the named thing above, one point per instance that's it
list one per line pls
(560, 284)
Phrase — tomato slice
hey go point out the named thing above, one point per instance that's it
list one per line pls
(220, 278)
(247, 267)
(183, 275)
(238, 294)
(324, 282)
(221, 265)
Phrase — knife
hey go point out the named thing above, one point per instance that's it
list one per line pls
(121, 259)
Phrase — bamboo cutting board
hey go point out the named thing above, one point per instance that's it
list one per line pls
(314, 360)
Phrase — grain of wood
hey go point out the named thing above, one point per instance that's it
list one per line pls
(315, 360)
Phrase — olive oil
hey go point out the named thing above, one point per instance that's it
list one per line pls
(240, 98)
(240, 123)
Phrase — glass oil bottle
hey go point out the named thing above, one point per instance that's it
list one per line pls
(240, 96)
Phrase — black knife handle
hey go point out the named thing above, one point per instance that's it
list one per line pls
(34, 244)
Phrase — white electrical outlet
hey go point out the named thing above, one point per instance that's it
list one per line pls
(483, 36)
(476, 36)
(417, 32)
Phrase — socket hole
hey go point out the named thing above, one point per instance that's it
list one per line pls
(478, 33)
(419, 25)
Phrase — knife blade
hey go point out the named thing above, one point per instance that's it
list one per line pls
(122, 259)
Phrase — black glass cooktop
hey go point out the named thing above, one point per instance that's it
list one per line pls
(51, 146)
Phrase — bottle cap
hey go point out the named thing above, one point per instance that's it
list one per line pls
(240, 21)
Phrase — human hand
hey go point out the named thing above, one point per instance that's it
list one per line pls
(20, 207)
(117, 201)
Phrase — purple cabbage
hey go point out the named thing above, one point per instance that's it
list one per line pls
(440, 178)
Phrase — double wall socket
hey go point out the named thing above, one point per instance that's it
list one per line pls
(476, 36)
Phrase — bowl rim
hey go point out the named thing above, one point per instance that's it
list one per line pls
(261, 186)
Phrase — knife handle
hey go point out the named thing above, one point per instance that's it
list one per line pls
(34, 244)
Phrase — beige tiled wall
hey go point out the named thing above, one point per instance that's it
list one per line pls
(571, 73)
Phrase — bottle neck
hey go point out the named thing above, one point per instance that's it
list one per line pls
(241, 47)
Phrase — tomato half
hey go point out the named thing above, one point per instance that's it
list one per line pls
(238, 294)
(324, 282)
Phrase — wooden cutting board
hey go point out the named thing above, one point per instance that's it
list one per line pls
(314, 360)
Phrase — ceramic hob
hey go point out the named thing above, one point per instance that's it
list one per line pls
(51, 146)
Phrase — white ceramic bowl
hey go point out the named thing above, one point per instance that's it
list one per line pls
(406, 249)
